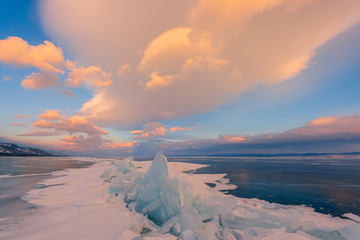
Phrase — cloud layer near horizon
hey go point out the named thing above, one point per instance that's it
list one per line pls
(193, 56)
(324, 134)
(82, 134)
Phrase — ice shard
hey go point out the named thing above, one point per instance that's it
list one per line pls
(158, 197)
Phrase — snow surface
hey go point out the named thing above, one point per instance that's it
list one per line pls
(123, 199)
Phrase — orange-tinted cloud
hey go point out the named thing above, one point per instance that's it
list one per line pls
(82, 143)
(328, 134)
(79, 124)
(199, 55)
(136, 132)
(6, 78)
(50, 61)
(158, 81)
(40, 81)
(124, 69)
(52, 114)
(44, 124)
(323, 120)
(232, 138)
(21, 116)
(121, 145)
(69, 93)
(150, 130)
(93, 76)
(82, 134)
(74, 124)
(46, 57)
(19, 124)
(180, 129)
(40, 134)
(329, 126)
(95, 142)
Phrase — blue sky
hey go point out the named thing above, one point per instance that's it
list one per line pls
(137, 88)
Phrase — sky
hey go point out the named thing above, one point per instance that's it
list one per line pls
(192, 77)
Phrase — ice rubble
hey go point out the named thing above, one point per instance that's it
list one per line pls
(185, 207)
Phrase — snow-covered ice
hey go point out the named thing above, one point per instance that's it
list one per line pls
(124, 199)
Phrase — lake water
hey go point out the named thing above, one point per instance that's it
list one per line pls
(19, 175)
(329, 184)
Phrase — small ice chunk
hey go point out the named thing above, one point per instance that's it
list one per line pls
(108, 174)
(125, 165)
(188, 235)
(190, 219)
(209, 232)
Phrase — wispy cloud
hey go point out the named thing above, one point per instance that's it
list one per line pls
(82, 134)
(6, 78)
(51, 114)
(154, 130)
(150, 130)
(327, 134)
(183, 129)
(37, 81)
(40, 134)
(21, 116)
(122, 145)
(19, 124)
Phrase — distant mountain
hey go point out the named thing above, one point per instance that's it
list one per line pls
(10, 149)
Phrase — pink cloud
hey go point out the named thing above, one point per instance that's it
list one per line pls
(137, 132)
(180, 129)
(323, 120)
(82, 143)
(329, 126)
(79, 124)
(150, 130)
(93, 76)
(197, 55)
(121, 145)
(50, 61)
(74, 124)
(232, 138)
(40, 81)
(124, 69)
(69, 93)
(44, 124)
(19, 124)
(158, 81)
(40, 134)
(326, 133)
(45, 57)
(157, 129)
(82, 134)
(6, 78)
(21, 116)
(50, 115)
(95, 142)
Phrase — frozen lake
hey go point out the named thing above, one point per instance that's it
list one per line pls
(330, 184)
